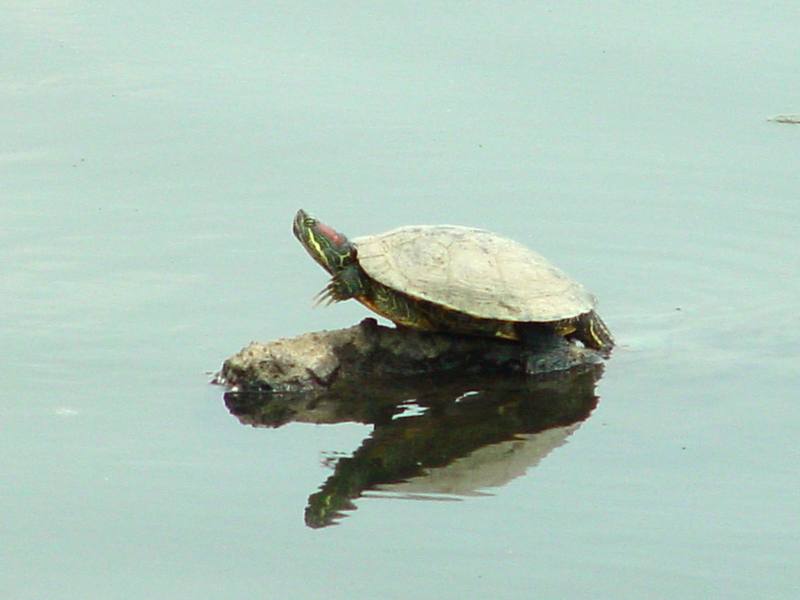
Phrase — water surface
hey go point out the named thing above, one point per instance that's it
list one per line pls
(152, 160)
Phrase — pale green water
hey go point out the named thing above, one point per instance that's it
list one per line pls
(152, 158)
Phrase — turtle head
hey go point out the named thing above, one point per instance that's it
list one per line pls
(332, 250)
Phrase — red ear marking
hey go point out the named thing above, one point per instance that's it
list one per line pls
(330, 233)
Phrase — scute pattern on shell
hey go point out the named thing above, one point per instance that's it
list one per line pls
(472, 271)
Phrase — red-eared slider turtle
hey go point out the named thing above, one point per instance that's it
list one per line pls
(454, 279)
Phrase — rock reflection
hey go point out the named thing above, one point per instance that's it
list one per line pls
(456, 437)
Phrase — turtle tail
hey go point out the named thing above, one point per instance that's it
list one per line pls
(593, 333)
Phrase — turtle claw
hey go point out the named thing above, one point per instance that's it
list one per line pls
(326, 296)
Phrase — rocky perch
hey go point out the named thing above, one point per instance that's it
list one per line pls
(368, 351)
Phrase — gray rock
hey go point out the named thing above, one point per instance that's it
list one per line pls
(316, 361)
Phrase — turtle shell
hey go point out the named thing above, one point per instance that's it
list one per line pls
(474, 272)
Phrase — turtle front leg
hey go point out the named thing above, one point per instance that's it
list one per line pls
(345, 284)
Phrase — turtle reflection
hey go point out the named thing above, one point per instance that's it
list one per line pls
(462, 436)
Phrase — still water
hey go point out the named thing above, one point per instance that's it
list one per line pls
(152, 159)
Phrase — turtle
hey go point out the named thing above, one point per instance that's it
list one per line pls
(457, 280)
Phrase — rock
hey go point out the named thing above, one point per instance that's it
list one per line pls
(317, 361)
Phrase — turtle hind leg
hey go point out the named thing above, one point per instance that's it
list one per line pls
(593, 333)
(544, 348)
(538, 337)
